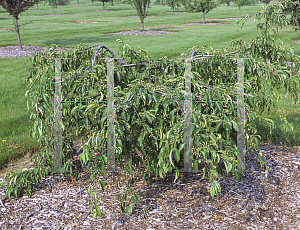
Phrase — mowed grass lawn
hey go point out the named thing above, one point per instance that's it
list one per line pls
(86, 25)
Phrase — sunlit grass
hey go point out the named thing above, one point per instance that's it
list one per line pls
(14, 116)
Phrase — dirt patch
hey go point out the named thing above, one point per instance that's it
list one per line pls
(14, 51)
(104, 10)
(54, 14)
(146, 32)
(236, 18)
(206, 24)
(176, 12)
(134, 16)
(297, 41)
(18, 166)
(83, 22)
(5, 29)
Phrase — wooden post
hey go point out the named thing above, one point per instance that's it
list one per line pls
(110, 116)
(188, 119)
(240, 117)
(57, 119)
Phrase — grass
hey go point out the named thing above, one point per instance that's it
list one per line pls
(283, 134)
(14, 117)
(61, 30)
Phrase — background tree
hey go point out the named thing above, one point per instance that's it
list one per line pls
(292, 7)
(141, 7)
(55, 3)
(174, 4)
(266, 1)
(241, 3)
(227, 2)
(103, 3)
(14, 8)
(196, 6)
(159, 2)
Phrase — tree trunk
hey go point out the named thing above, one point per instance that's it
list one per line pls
(103, 5)
(78, 3)
(204, 18)
(18, 34)
(143, 24)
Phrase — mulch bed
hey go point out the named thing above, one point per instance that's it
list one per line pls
(55, 14)
(14, 51)
(206, 24)
(146, 32)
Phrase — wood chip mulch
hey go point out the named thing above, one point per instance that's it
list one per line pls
(146, 32)
(205, 24)
(14, 51)
(256, 202)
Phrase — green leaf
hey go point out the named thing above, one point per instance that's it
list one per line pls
(256, 143)
(228, 166)
(102, 183)
(204, 171)
(251, 152)
(212, 192)
(215, 173)
(148, 118)
(98, 210)
(217, 126)
(148, 129)
(181, 147)
(237, 175)
(128, 210)
(177, 156)
(94, 215)
(266, 173)
(136, 198)
(91, 206)
(195, 166)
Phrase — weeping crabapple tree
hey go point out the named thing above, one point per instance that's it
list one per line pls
(149, 98)
(14, 8)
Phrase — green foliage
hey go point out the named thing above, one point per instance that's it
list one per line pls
(174, 4)
(15, 8)
(55, 3)
(292, 7)
(241, 3)
(227, 2)
(265, 1)
(203, 6)
(160, 2)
